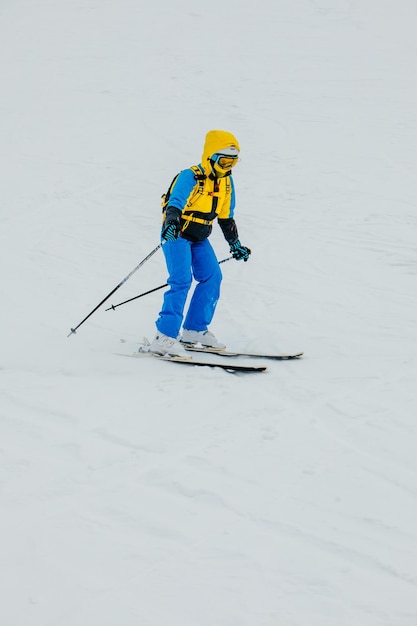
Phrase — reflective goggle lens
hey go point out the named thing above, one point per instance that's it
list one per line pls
(225, 162)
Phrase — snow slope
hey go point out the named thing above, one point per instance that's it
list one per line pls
(135, 492)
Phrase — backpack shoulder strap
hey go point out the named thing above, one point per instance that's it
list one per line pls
(228, 185)
(199, 176)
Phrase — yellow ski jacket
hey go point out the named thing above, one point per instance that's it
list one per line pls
(201, 196)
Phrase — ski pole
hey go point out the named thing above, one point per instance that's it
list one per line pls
(122, 282)
(113, 307)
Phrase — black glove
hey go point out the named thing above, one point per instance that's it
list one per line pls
(171, 230)
(171, 227)
(239, 252)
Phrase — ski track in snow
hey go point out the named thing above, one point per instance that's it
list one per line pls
(141, 492)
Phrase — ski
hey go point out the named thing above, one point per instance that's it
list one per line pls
(252, 355)
(232, 367)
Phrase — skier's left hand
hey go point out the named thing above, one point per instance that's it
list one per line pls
(239, 252)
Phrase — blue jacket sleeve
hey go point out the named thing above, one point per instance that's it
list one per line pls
(182, 188)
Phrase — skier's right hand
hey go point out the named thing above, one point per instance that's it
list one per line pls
(171, 227)
(171, 230)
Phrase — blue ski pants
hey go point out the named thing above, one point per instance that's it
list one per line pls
(185, 260)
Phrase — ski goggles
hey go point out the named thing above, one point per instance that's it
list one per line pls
(224, 161)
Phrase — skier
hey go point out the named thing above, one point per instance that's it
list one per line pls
(197, 197)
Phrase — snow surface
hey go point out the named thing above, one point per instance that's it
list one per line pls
(135, 492)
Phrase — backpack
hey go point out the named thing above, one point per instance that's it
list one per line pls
(199, 178)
